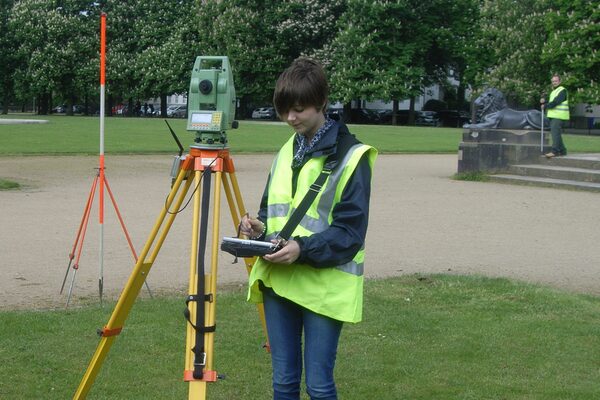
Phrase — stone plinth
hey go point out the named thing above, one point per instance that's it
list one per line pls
(493, 150)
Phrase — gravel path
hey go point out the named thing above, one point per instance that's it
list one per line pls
(421, 222)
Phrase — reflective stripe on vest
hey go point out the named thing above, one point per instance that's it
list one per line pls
(561, 111)
(334, 291)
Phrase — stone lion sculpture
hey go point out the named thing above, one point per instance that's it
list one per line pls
(493, 112)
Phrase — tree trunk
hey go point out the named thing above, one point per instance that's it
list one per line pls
(108, 107)
(163, 106)
(411, 111)
(460, 96)
(70, 105)
(45, 99)
(5, 103)
(394, 112)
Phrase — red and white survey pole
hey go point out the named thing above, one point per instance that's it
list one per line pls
(100, 183)
(101, 167)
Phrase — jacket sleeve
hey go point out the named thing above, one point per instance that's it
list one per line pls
(339, 243)
(560, 97)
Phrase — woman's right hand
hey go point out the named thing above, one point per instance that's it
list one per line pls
(251, 227)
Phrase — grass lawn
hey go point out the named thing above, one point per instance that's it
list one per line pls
(423, 337)
(6, 184)
(80, 135)
(77, 135)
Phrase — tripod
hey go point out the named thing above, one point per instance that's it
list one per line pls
(100, 181)
(75, 254)
(197, 167)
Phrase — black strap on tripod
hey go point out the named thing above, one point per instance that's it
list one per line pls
(201, 296)
(345, 141)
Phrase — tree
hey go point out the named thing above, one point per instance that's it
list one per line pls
(246, 31)
(8, 59)
(454, 28)
(122, 47)
(513, 32)
(530, 40)
(58, 39)
(261, 38)
(307, 26)
(168, 44)
(373, 55)
(572, 47)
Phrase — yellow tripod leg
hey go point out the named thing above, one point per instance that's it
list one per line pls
(197, 388)
(237, 209)
(133, 286)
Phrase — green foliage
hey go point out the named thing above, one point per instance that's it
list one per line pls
(530, 40)
(423, 337)
(8, 59)
(261, 38)
(6, 184)
(122, 49)
(572, 47)
(59, 40)
(514, 32)
(394, 50)
(167, 39)
(372, 55)
(151, 46)
(308, 25)
(371, 49)
(247, 32)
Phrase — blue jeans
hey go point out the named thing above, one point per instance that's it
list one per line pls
(285, 321)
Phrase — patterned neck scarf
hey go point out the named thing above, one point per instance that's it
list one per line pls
(304, 146)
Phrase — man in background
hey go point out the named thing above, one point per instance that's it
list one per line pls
(557, 112)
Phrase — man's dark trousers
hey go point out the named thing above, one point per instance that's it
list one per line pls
(558, 147)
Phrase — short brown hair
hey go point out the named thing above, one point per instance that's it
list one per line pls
(303, 83)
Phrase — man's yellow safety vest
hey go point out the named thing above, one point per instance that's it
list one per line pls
(336, 291)
(561, 111)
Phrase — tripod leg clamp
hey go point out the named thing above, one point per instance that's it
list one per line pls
(207, 376)
(106, 332)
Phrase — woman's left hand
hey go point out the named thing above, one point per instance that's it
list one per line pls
(287, 255)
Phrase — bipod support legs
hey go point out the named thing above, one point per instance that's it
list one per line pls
(101, 182)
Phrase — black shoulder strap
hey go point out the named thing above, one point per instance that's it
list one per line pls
(345, 141)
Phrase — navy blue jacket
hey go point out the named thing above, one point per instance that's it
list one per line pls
(339, 243)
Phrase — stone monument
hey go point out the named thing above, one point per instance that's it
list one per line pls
(502, 136)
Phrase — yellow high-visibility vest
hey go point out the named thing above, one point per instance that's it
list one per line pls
(561, 111)
(335, 291)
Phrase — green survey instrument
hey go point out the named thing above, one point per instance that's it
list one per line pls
(211, 101)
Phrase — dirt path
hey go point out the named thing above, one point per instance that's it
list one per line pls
(421, 221)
